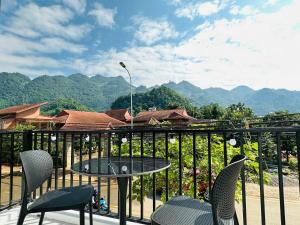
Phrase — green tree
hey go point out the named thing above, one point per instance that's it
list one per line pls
(56, 106)
(212, 111)
(238, 115)
(162, 98)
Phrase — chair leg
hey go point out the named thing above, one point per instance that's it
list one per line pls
(42, 218)
(21, 218)
(236, 221)
(91, 212)
(82, 216)
(22, 215)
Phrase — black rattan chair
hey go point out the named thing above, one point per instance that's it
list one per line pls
(219, 210)
(37, 167)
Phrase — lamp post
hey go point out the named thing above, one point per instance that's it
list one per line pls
(131, 109)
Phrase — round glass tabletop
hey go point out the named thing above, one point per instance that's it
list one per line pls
(120, 166)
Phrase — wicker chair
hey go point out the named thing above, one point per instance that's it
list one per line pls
(220, 210)
(37, 167)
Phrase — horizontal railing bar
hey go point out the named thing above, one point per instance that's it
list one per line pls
(197, 130)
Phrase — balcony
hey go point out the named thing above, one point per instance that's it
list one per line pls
(268, 189)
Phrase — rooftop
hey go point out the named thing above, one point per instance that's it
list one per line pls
(77, 120)
(120, 114)
(160, 115)
(20, 108)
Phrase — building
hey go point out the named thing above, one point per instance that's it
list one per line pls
(176, 117)
(77, 120)
(120, 114)
(24, 114)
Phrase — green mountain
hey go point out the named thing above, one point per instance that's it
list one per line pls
(11, 88)
(96, 92)
(161, 98)
(99, 92)
(261, 101)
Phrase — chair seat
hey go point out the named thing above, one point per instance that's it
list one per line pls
(62, 199)
(183, 210)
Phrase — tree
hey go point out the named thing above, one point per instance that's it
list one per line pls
(212, 111)
(238, 114)
(59, 105)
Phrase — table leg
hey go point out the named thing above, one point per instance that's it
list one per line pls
(122, 184)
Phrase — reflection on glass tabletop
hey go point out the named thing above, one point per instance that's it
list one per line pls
(120, 166)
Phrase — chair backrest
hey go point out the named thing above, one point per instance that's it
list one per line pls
(37, 166)
(223, 192)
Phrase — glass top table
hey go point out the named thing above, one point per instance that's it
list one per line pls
(121, 168)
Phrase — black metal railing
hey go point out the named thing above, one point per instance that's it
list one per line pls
(196, 157)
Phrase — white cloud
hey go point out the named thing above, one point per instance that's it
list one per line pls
(11, 44)
(173, 2)
(271, 2)
(104, 16)
(246, 10)
(78, 5)
(33, 37)
(150, 31)
(193, 10)
(20, 55)
(34, 21)
(260, 51)
(31, 65)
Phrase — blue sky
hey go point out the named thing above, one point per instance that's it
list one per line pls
(216, 43)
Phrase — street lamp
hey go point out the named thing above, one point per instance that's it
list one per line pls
(131, 109)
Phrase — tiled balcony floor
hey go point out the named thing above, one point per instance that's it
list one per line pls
(10, 217)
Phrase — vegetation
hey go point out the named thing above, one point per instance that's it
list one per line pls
(212, 111)
(250, 147)
(162, 98)
(54, 107)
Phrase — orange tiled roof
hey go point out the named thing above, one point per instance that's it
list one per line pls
(36, 119)
(20, 108)
(119, 114)
(161, 115)
(86, 127)
(78, 120)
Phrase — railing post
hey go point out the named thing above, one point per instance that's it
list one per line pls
(153, 175)
(27, 145)
(194, 166)
(244, 203)
(280, 179)
(209, 163)
(180, 162)
(109, 145)
(27, 140)
(142, 179)
(1, 142)
(298, 156)
(261, 180)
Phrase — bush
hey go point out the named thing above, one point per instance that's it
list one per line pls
(187, 164)
(293, 164)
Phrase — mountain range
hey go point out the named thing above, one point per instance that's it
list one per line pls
(99, 92)
(261, 101)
